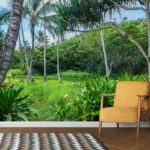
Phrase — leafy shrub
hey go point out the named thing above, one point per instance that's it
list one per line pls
(85, 105)
(76, 75)
(12, 106)
(14, 73)
(130, 77)
(63, 110)
(90, 96)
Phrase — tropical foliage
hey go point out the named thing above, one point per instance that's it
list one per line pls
(84, 52)
(86, 100)
(80, 62)
(2, 37)
(10, 41)
(12, 106)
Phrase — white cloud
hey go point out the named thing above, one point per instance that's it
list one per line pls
(4, 3)
(27, 35)
(131, 15)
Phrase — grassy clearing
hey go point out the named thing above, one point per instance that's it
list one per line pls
(44, 94)
(76, 98)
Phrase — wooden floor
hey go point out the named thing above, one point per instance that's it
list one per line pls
(124, 140)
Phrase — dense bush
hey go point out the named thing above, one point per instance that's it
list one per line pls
(86, 102)
(84, 52)
(14, 73)
(12, 106)
(130, 77)
(76, 98)
(76, 75)
(84, 105)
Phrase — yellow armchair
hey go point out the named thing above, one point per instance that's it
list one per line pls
(131, 97)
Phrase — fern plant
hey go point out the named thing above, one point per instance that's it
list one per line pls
(13, 107)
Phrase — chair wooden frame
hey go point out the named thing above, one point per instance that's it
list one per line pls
(141, 115)
(101, 107)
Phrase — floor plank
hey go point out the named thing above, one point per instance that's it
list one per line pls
(124, 140)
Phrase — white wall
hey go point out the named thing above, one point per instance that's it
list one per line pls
(65, 124)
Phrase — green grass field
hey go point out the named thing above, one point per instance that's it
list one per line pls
(44, 94)
(76, 98)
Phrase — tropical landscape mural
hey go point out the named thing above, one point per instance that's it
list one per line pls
(67, 54)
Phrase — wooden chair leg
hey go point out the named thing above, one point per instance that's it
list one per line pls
(118, 128)
(138, 130)
(100, 128)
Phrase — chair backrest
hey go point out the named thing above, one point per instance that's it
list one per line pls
(127, 91)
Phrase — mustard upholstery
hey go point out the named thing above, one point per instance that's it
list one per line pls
(127, 93)
(119, 115)
(126, 102)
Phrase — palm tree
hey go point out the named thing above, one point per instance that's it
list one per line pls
(21, 58)
(58, 35)
(25, 44)
(5, 14)
(39, 38)
(57, 28)
(37, 13)
(34, 12)
(58, 60)
(87, 14)
(11, 38)
(2, 37)
(45, 74)
(42, 40)
(107, 67)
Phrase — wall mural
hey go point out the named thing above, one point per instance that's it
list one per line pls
(65, 58)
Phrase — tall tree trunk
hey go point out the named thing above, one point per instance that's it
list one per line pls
(11, 38)
(147, 10)
(31, 55)
(58, 62)
(136, 43)
(45, 73)
(148, 27)
(21, 58)
(148, 70)
(105, 55)
(25, 47)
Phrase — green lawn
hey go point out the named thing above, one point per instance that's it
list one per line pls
(43, 94)
(76, 98)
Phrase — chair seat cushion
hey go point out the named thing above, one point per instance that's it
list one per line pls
(119, 115)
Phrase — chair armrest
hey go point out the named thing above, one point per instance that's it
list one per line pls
(144, 96)
(102, 98)
(141, 97)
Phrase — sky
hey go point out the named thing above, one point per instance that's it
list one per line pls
(131, 15)
(3, 3)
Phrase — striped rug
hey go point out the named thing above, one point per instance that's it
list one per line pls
(49, 141)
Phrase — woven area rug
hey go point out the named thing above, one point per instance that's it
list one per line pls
(49, 141)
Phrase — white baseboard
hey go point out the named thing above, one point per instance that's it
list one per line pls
(66, 124)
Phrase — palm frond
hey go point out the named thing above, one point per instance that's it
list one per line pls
(4, 15)
(89, 13)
